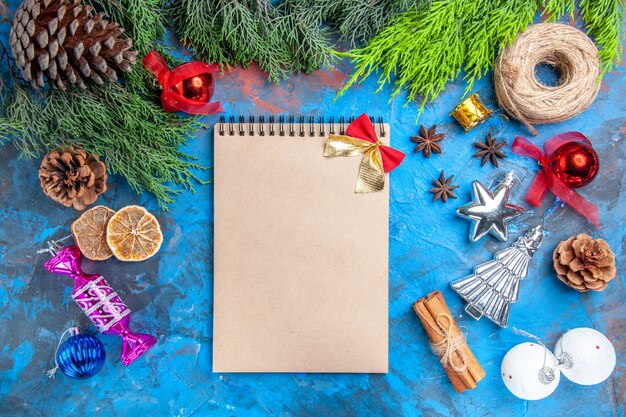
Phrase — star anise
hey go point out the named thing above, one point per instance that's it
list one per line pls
(490, 150)
(443, 188)
(427, 140)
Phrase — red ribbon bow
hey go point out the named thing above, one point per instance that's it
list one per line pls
(363, 128)
(361, 139)
(171, 99)
(547, 179)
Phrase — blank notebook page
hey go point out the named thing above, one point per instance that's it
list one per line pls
(300, 274)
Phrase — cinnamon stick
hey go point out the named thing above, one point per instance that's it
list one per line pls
(428, 309)
(437, 304)
(429, 327)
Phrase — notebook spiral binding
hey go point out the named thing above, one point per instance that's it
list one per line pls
(286, 126)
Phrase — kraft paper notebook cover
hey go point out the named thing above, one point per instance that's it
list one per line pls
(301, 260)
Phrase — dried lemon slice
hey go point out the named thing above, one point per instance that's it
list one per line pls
(133, 234)
(89, 232)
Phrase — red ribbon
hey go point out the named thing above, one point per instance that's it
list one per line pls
(171, 99)
(363, 128)
(547, 179)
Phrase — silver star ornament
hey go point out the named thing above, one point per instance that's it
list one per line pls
(490, 211)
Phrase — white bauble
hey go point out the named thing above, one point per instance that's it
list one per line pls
(589, 356)
(522, 373)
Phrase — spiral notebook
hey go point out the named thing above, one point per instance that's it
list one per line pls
(301, 260)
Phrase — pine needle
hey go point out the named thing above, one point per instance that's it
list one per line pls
(553, 10)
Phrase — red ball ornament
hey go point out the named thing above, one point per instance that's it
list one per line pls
(575, 163)
(567, 161)
(197, 88)
(188, 87)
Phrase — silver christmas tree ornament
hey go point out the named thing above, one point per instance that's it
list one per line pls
(490, 212)
(494, 286)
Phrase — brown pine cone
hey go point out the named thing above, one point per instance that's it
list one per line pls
(67, 43)
(73, 177)
(584, 263)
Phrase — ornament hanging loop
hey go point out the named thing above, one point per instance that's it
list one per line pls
(565, 360)
(54, 246)
(546, 373)
(507, 180)
(73, 331)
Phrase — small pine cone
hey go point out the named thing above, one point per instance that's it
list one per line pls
(67, 43)
(73, 177)
(584, 263)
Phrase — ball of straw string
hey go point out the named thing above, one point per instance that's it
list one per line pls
(573, 56)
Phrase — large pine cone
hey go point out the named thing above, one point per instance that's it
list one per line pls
(67, 43)
(584, 263)
(73, 177)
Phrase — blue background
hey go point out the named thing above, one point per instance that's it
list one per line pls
(171, 294)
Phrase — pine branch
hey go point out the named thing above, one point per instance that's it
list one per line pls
(357, 21)
(137, 139)
(496, 27)
(301, 33)
(10, 129)
(422, 51)
(604, 20)
(284, 37)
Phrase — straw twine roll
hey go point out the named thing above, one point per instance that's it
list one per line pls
(575, 59)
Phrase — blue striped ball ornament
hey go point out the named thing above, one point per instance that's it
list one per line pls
(81, 356)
